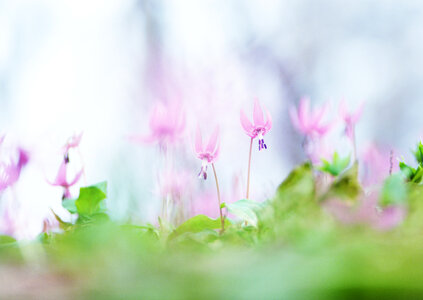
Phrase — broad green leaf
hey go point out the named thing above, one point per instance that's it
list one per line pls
(394, 190)
(90, 198)
(6, 240)
(300, 182)
(69, 205)
(62, 224)
(245, 209)
(198, 224)
(346, 186)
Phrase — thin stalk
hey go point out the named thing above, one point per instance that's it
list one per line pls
(218, 199)
(249, 168)
(354, 145)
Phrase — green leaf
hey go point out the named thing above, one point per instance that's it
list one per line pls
(62, 224)
(90, 198)
(198, 224)
(69, 205)
(407, 171)
(394, 190)
(346, 186)
(6, 241)
(418, 175)
(337, 166)
(299, 183)
(245, 209)
(418, 154)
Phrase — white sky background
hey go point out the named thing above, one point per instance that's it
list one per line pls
(67, 66)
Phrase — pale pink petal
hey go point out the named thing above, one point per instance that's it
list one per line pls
(343, 109)
(258, 114)
(304, 112)
(198, 141)
(61, 176)
(391, 217)
(155, 116)
(216, 152)
(142, 139)
(268, 124)
(246, 124)
(294, 118)
(319, 113)
(357, 114)
(211, 146)
(77, 177)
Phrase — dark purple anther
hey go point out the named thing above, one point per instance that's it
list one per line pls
(262, 145)
(203, 171)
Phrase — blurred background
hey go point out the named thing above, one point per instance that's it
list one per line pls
(99, 67)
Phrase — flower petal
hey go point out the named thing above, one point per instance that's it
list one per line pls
(198, 141)
(258, 114)
(216, 152)
(268, 124)
(246, 124)
(77, 177)
(294, 117)
(211, 146)
(304, 112)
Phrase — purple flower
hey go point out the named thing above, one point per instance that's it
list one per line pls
(167, 125)
(61, 179)
(260, 126)
(209, 153)
(309, 122)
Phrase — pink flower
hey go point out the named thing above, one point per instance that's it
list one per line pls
(309, 122)
(207, 154)
(350, 118)
(167, 125)
(376, 164)
(62, 181)
(73, 142)
(367, 212)
(260, 126)
(10, 171)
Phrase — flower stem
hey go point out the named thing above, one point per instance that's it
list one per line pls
(218, 199)
(354, 145)
(249, 168)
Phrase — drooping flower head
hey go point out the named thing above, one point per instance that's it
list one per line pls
(209, 153)
(10, 171)
(309, 122)
(259, 127)
(73, 142)
(61, 179)
(350, 118)
(167, 125)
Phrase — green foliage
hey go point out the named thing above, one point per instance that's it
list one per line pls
(337, 166)
(345, 186)
(246, 210)
(418, 154)
(411, 174)
(90, 198)
(69, 205)
(277, 251)
(394, 191)
(198, 224)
